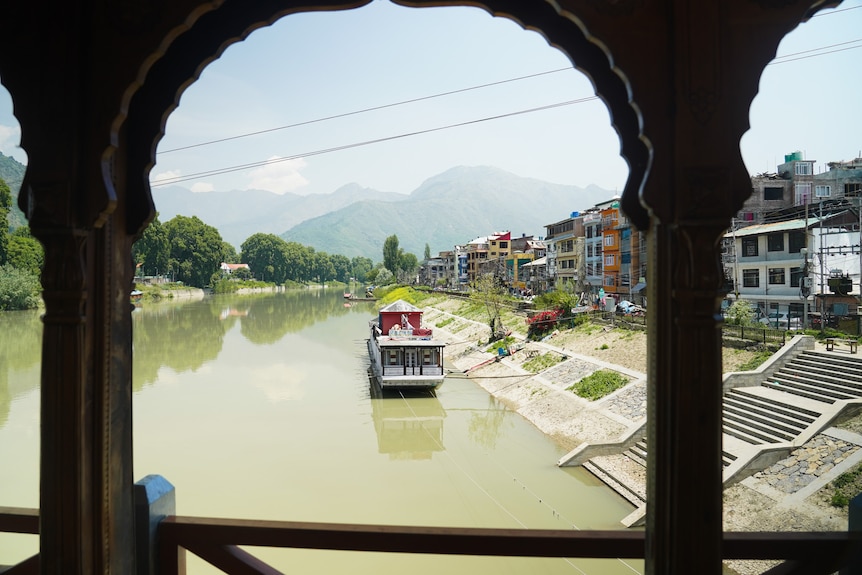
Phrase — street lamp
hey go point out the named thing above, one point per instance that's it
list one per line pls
(805, 288)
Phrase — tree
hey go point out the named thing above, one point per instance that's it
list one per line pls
(25, 252)
(19, 289)
(427, 252)
(408, 264)
(153, 249)
(323, 269)
(740, 313)
(5, 207)
(488, 291)
(360, 266)
(266, 256)
(196, 250)
(343, 270)
(392, 254)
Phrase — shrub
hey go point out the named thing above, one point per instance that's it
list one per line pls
(599, 384)
(19, 289)
(542, 322)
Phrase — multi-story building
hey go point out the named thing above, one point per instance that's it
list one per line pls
(562, 257)
(796, 266)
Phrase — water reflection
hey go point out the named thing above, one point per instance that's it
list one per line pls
(184, 336)
(20, 351)
(409, 424)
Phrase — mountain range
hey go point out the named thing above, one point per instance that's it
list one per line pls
(451, 208)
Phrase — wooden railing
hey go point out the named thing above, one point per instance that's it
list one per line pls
(412, 370)
(18, 520)
(216, 541)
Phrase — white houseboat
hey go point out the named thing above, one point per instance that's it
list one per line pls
(403, 354)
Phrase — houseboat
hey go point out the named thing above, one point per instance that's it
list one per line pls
(403, 354)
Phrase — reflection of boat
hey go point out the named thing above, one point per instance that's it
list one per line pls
(404, 356)
(136, 296)
(408, 425)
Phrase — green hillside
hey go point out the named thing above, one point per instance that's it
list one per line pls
(12, 172)
(452, 208)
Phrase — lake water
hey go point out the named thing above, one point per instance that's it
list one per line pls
(260, 407)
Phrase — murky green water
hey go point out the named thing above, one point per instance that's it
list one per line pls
(260, 407)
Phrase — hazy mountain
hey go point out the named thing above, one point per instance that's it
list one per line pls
(240, 213)
(12, 172)
(448, 209)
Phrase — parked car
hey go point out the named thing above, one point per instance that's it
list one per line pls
(781, 321)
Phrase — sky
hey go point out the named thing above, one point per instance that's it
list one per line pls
(337, 74)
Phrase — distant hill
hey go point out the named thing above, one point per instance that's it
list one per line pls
(239, 214)
(448, 209)
(12, 172)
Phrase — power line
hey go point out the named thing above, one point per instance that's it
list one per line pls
(219, 171)
(788, 57)
(364, 110)
(227, 170)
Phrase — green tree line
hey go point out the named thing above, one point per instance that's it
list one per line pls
(21, 257)
(190, 251)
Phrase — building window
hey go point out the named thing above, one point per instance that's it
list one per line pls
(610, 260)
(589, 231)
(853, 190)
(504, 245)
(610, 281)
(802, 194)
(590, 251)
(750, 278)
(776, 276)
(823, 191)
(795, 277)
(796, 242)
(775, 242)
(803, 168)
(749, 247)
(609, 240)
(773, 193)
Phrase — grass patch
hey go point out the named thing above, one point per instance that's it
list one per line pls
(542, 362)
(756, 361)
(504, 343)
(418, 298)
(445, 322)
(598, 384)
(845, 487)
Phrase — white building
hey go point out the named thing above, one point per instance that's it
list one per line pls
(780, 266)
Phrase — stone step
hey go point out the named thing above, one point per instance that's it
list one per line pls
(789, 406)
(630, 494)
(785, 419)
(748, 433)
(814, 386)
(828, 381)
(827, 358)
(798, 391)
(814, 365)
(759, 421)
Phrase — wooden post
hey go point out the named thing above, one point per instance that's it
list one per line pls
(155, 499)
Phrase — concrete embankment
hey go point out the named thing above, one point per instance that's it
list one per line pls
(540, 398)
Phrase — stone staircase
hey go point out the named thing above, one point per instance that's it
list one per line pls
(761, 424)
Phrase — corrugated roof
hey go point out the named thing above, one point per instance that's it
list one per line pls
(400, 306)
(785, 226)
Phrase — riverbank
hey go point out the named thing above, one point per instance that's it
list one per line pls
(792, 495)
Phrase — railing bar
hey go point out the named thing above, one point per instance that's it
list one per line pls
(499, 542)
(29, 566)
(397, 539)
(19, 520)
(231, 559)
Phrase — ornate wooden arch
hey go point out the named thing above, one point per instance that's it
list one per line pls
(93, 82)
